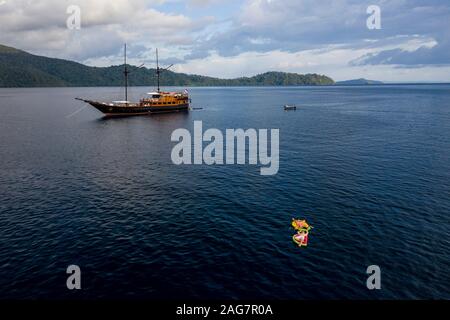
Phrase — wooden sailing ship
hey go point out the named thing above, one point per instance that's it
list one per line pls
(154, 102)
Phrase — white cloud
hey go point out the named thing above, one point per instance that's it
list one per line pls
(330, 63)
(328, 37)
(332, 60)
(40, 27)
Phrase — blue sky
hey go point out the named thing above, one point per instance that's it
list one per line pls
(236, 38)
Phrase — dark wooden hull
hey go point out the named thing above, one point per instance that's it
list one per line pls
(135, 109)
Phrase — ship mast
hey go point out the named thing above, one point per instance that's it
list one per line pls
(125, 72)
(157, 68)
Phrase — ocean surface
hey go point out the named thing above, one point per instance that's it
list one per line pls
(369, 167)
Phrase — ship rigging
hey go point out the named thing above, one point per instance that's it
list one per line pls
(154, 102)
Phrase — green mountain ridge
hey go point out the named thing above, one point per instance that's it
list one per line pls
(22, 69)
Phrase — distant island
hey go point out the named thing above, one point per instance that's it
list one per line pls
(22, 69)
(358, 82)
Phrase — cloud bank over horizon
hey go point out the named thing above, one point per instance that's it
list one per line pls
(241, 38)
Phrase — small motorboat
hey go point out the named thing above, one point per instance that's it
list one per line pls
(289, 107)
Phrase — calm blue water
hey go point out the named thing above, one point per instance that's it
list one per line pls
(368, 166)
